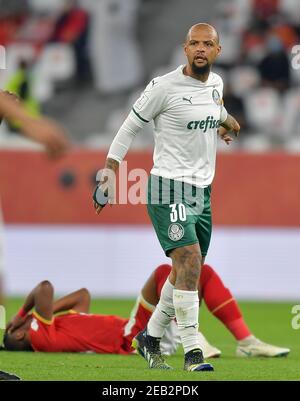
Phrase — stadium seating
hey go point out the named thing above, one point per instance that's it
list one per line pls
(263, 108)
(291, 113)
(56, 63)
(135, 59)
(243, 79)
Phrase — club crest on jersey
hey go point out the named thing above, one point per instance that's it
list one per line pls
(34, 325)
(216, 97)
(175, 232)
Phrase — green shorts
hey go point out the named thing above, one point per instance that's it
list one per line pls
(180, 213)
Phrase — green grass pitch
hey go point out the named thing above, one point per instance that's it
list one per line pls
(271, 322)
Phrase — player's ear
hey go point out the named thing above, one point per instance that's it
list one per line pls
(184, 45)
(20, 334)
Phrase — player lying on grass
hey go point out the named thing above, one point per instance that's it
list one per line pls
(78, 331)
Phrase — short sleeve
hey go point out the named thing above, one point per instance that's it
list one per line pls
(151, 102)
(223, 111)
(42, 333)
(224, 114)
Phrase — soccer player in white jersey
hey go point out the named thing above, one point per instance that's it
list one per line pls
(187, 109)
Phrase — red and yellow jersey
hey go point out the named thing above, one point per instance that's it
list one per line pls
(78, 332)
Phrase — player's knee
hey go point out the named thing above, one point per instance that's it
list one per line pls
(190, 270)
(46, 284)
(46, 287)
(187, 278)
(85, 293)
(187, 262)
(189, 256)
(188, 273)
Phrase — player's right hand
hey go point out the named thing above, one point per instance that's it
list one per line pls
(100, 199)
(105, 191)
(98, 208)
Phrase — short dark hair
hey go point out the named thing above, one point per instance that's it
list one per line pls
(11, 344)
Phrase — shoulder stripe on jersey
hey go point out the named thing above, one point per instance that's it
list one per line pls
(140, 117)
(41, 319)
(66, 312)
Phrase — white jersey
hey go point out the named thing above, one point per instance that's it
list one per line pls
(186, 114)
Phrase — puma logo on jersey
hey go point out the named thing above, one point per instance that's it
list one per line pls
(188, 100)
(209, 123)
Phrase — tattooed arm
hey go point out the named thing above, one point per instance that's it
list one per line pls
(230, 124)
(107, 182)
(117, 151)
(112, 164)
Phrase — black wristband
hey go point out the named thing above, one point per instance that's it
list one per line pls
(100, 197)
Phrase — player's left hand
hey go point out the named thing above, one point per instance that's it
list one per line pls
(235, 129)
(230, 125)
(14, 323)
(224, 135)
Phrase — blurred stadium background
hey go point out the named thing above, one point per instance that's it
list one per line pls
(84, 63)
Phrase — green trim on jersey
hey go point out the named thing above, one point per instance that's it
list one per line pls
(140, 117)
(180, 213)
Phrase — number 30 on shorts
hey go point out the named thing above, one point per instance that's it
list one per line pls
(177, 211)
